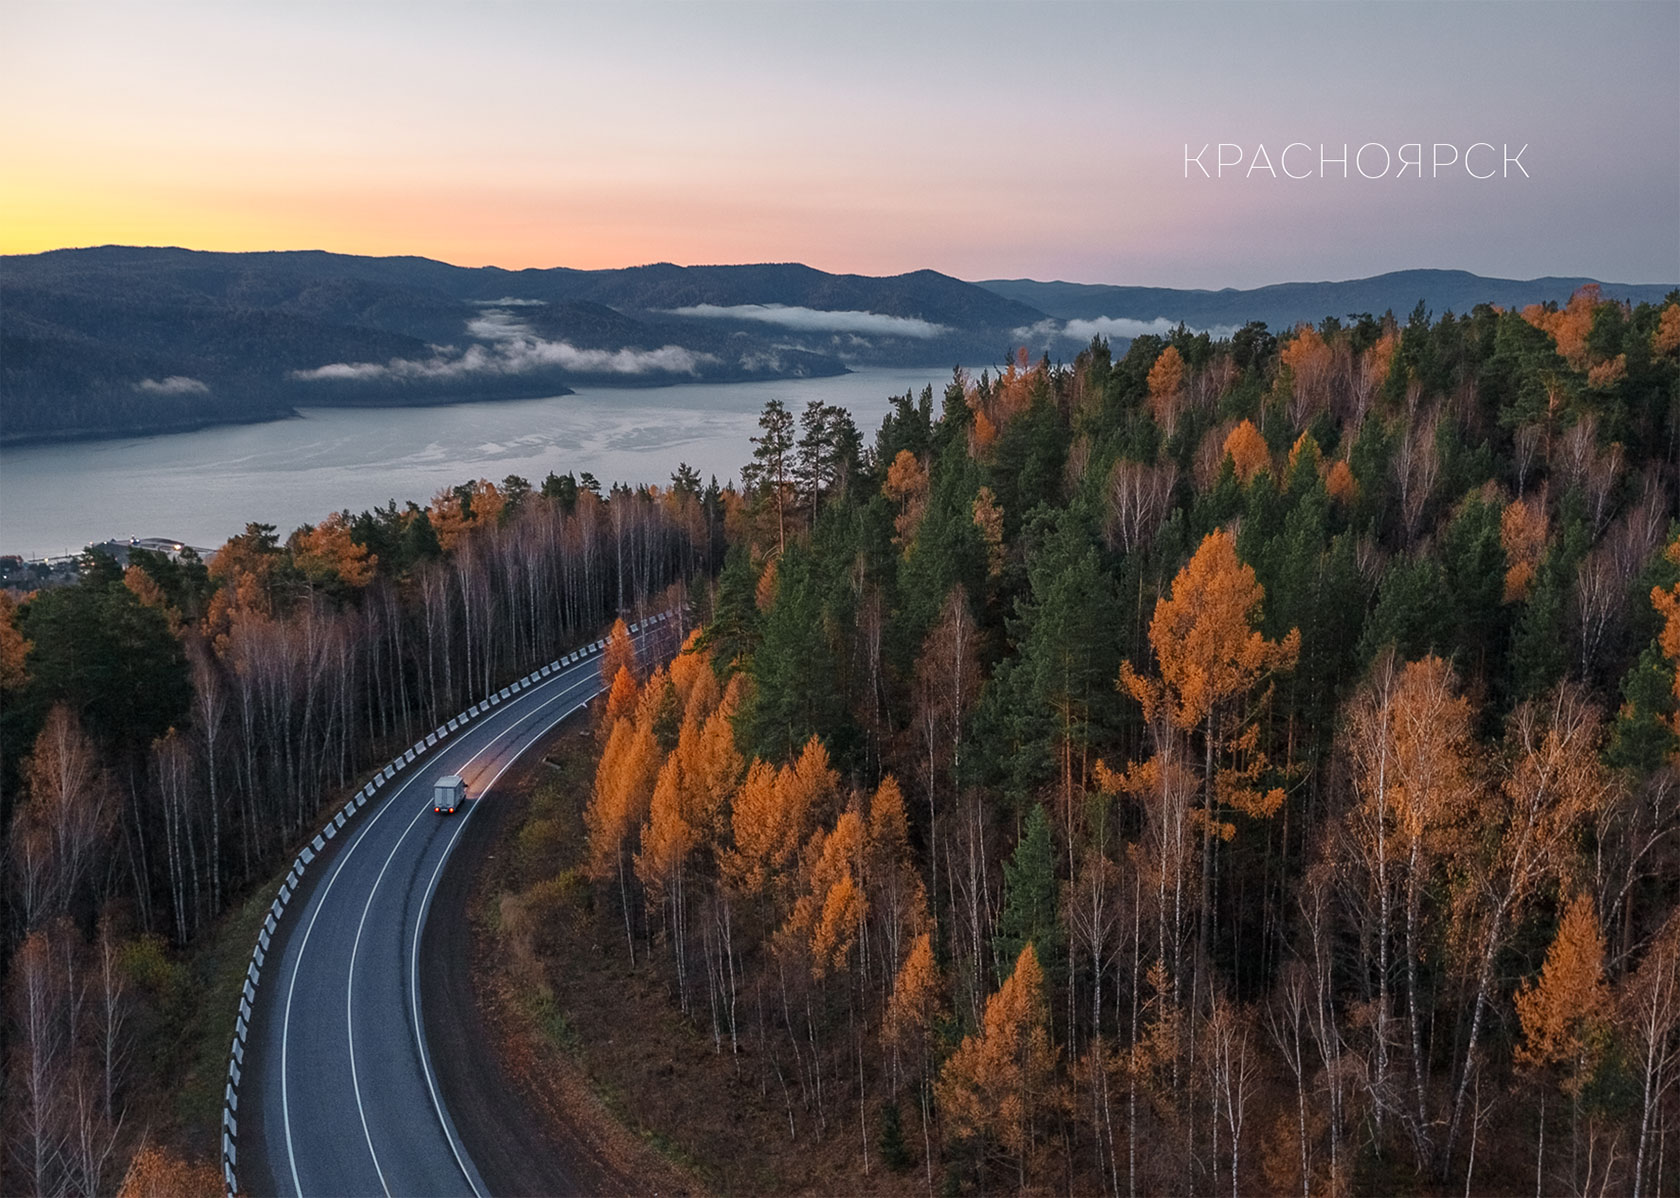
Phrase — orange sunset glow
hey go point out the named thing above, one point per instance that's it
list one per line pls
(875, 140)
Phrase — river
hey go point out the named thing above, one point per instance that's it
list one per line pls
(201, 487)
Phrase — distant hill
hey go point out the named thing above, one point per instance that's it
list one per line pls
(121, 340)
(1283, 305)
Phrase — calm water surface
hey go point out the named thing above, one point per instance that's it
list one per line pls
(202, 487)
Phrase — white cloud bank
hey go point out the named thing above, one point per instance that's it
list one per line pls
(175, 384)
(512, 349)
(816, 320)
(1111, 326)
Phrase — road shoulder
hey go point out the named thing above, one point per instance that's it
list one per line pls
(522, 1107)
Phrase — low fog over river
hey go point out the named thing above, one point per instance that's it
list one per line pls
(202, 487)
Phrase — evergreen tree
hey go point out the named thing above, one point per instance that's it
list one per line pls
(1031, 901)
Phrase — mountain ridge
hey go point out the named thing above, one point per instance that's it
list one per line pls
(1286, 303)
(118, 340)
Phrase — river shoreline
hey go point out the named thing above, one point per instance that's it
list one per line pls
(205, 485)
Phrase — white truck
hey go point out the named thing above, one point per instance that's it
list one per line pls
(448, 793)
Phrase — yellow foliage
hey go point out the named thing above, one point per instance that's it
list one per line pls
(907, 486)
(1523, 530)
(1166, 382)
(689, 663)
(999, 1078)
(619, 654)
(1667, 603)
(1568, 326)
(1608, 373)
(621, 700)
(773, 812)
(624, 781)
(1203, 636)
(889, 829)
(14, 649)
(1379, 358)
(1248, 451)
(1343, 487)
(158, 1173)
(1561, 1010)
(451, 518)
(1666, 338)
(764, 595)
(651, 703)
(717, 769)
(327, 551)
(1306, 446)
(668, 835)
(915, 1001)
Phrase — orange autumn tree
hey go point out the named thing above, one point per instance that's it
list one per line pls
(895, 894)
(995, 1085)
(624, 782)
(623, 698)
(455, 510)
(1566, 1009)
(1666, 338)
(1667, 602)
(156, 1172)
(909, 1025)
(916, 1003)
(1212, 663)
(1568, 326)
(1308, 360)
(906, 486)
(773, 814)
(1166, 386)
(328, 552)
(1523, 531)
(668, 837)
(1409, 745)
(828, 913)
(14, 647)
(1567, 1015)
(1343, 487)
(619, 653)
(244, 567)
(1248, 451)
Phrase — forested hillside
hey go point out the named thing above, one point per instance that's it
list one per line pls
(117, 339)
(1244, 766)
(169, 734)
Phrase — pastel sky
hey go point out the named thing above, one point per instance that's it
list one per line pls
(984, 140)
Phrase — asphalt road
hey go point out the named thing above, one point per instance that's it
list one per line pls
(339, 1094)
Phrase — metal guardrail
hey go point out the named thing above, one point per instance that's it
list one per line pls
(334, 825)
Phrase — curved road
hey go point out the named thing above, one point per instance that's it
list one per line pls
(340, 1096)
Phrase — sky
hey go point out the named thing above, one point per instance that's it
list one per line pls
(988, 140)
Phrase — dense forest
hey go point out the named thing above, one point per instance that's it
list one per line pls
(1245, 766)
(171, 732)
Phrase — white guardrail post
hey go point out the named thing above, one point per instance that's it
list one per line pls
(294, 876)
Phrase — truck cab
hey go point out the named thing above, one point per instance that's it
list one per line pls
(448, 793)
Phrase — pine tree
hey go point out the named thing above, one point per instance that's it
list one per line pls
(1031, 906)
